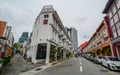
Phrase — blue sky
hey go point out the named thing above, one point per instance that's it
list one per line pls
(84, 15)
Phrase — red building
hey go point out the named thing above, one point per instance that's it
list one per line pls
(112, 18)
(83, 45)
(2, 34)
(2, 28)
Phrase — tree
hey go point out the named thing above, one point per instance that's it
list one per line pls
(16, 47)
(52, 54)
(108, 51)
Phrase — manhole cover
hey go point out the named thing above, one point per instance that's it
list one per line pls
(38, 69)
(104, 70)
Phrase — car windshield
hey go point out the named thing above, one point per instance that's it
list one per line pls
(113, 59)
(99, 57)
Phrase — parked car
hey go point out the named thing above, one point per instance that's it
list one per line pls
(97, 59)
(89, 57)
(112, 63)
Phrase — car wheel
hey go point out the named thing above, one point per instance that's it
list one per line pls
(109, 67)
(102, 63)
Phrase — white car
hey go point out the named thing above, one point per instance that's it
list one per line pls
(97, 59)
(113, 63)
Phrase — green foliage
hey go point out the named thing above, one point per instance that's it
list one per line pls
(92, 53)
(60, 55)
(52, 54)
(102, 51)
(98, 52)
(108, 51)
(53, 51)
(16, 46)
(68, 55)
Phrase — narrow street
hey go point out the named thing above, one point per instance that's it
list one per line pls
(59, 37)
(77, 66)
(17, 66)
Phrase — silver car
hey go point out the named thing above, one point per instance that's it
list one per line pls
(113, 63)
(97, 59)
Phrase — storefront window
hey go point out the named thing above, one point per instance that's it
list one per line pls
(114, 32)
(116, 18)
(111, 22)
(118, 28)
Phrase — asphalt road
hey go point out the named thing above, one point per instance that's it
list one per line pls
(77, 66)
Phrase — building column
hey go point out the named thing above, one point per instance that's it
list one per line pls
(114, 50)
(47, 53)
(111, 49)
(34, 52)
(64, 54)
(56, 54)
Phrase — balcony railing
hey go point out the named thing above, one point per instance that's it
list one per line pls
(61, 33)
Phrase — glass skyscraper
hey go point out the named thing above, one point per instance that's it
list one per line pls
(23, 37)
(72, 32)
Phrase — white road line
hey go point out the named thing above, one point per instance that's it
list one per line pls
(80, 63)
(81, 69)
(79, 59)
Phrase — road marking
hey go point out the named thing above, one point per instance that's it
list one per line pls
(79, 59)
(81, 69)
(80, 63)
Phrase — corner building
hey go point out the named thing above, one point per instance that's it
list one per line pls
(48, 34)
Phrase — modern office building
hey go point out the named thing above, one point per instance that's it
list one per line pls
(72, 32)
(9, 36)
(112, 18)
(8, 30)
(23, 37)
(49, 35)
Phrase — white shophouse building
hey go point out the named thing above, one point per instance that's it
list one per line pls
(48, 32)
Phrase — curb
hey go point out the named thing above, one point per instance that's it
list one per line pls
(60, 61)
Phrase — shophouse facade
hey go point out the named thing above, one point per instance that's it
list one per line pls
(99, 43)
(112, 11)
(6, 39)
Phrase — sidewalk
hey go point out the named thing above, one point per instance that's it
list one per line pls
(17, 65)
(35, 70)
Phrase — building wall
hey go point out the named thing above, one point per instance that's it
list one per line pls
(114, 18)
(99, 40)
(48, 32)
(72, 32)
(112, 11)
(2, 28)
(23, 37)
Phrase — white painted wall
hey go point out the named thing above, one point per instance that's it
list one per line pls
(44, 32)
